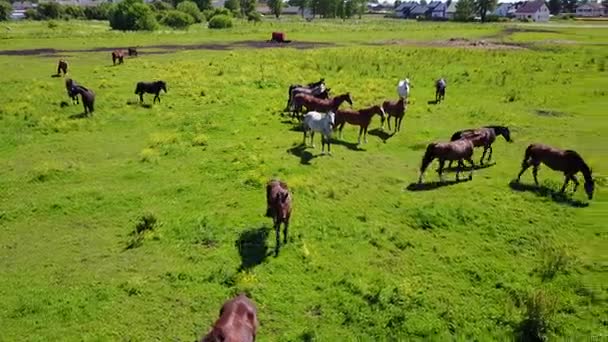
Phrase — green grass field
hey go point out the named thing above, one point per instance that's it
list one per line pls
(367, 259)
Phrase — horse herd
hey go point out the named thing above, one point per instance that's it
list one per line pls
(319, 112)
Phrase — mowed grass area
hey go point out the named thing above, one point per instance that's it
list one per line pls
(367, 258)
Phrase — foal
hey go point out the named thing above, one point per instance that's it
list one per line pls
(150, 88)
(238, 322)
(117, 55)
(567, 161)
(395, 109)
(458, 150)
(62, 66)
(361, 118)
(440, 86)
(278, 206)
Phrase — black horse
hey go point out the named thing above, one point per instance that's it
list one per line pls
(132, 52)
(150, 88)
(88, 98)
(69, 85)
(440, 86)
(62, 66)
(309, 87)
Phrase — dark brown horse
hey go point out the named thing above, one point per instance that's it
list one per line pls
(312, 103)
(62, 66)
(132, 52)
(319, 86)
(118, 55)
(458, 150)
(69, 84)
(88, 98)
(394, 109)
(361, 118)
(440, 86)
(278, 201)
(484, 136)
(151, 88)
(567, 161)
(238, 322)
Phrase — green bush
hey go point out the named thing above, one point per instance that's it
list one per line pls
(73, 12)
(492, 18)
(220, 21)
(132, 15)
(31, 14)
(49, 10)
(254, 16)
(99, 12)
(5, 10)
(191, 9)
(208, 14)
(177, 19)
(161, 6)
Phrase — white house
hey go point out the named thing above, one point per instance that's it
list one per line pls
(438, 10)
(502, 10)
(451, 10)
(534, 11)
(591, 10)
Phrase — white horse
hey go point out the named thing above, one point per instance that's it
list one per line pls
(322, 123)
(403, 88)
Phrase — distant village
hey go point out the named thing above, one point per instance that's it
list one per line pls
(535, 11)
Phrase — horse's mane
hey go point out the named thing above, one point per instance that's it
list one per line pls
(585, 169)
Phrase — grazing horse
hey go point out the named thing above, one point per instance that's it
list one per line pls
(361, 118)
(403, 88)
(567, 161)
(320, 105)
(395, 109)
(318, 122)
(150, 88)
(132, 52)
(309, 86)
(117, 55)
(88, 98)
(69, 85)
(238, 322)
(455, 150)
(62, 66)
(440, 86)
(484, 136)
(278, 201)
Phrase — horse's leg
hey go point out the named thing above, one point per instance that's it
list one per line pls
(141, 97)
(285, 230)
(440, 170)
(485, 149)
(312, 138)
(576, 183)
(360, 133)
(304, 129)
(535, 173)
(566, 181)
(490, 155)
(277, 230)
(328, 139)
(388, 120)
(400, 119)
(365, 134)
(460, 167)
(322, 143)
(472, 167)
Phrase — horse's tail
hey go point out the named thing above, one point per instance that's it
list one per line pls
(527, 155)
(456, 136)
(138, 88)
(429, 155)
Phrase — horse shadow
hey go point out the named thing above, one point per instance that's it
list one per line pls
(253, 247)
(544, 191)
(55, 75)
(140, 104)
(433, 102)
(377, 132)
(468, 167)
(300, 151)
(433, 185)
(79, 116)
(349, 145)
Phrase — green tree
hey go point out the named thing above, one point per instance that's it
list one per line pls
(190, 8)
(276, 7)
(132, 15)
(5, 10)
(247, 7)
(423, 2)
(74, 12)
(569, 6)
(465, 10)
(340, 10)
(99, 12)
(203, 4)
(482, 8)
(160, 6)
(177, 19)
(555, 6)
(233, 5)
(301, 4)
(49, 10)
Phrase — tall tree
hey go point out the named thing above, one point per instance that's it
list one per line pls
(555, 6)
(569, 6)
(465, 9)
(276, 7)
(233, 6)
(300, 4)
(247, 7)
(5, 10)
(483, 7)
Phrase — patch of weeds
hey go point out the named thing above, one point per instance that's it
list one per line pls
(548, 112)
(309, 335)
(204, 234)
(555, 260)
(222, 276)
(428, 218)
(200, 140)
(130, 289)
(149, 155)
(537, 324)
(146, 223)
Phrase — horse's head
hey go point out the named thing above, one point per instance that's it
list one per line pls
(506, 133)
(589, 187)
(346, 97)
(163, 85)
(380, 111)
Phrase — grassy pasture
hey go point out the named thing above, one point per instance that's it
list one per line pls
(367, 258)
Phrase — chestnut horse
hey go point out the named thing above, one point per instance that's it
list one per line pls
(440, 86)
(484, 136)
(458, 150)
(361, 118)
(395, 109)
(118, 55)
(278, 206)
(238, 322)
(62, 66)
(312, 103)
(567, 161)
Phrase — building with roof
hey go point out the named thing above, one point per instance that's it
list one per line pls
(502, 10)
(535, 11)
(591, 10)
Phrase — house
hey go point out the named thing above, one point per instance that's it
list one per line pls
(438, 10)
(419, 11)
(535, 11)
(403, 10)
(502, 10)
(451, 10)
(591, 10)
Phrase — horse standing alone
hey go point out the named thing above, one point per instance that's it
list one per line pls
(395, 109)
(132, 52)
(238, 322)
(361, 118)
(458, 150)
(88, 98)
(278, 206)
(318, 122)
(484, 136)
(150, 88)
(62, 66)
(440, 86)
(118, 55)
(567, 161)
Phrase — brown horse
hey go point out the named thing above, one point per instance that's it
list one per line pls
(458, 150)
(484, 136)
(88, 98)
(312, 103)
(69, 85)
(62, 66)
(395, 109)
(567, 161)
(361, 118)
(117, 55)
(238, 322)
(132, 51)
(278, 201)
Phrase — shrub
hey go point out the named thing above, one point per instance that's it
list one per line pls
(233, 6)
(5, 10)
(177, 19)
(492, 18)
(73, 12)
(49, 10)
(161, 6)
(99, 12)
(208, 14)
(52, 24)
(255, 16)
(220, 21)
(191, 9)
(146, 222)
(132, 15)
(538, 322)
(31, 14)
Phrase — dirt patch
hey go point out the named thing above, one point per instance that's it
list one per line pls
(547, 112)
(170, 48)
(456, 42)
